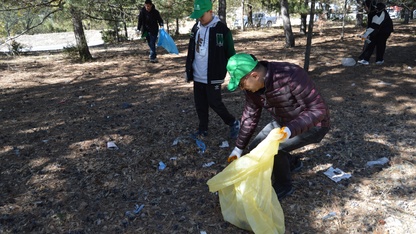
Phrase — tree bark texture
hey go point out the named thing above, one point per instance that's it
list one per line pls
(80, 39)
(309, 38)
(222, 6)
(290, 39)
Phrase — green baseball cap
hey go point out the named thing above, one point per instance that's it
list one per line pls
(200, 7)
(238, 66)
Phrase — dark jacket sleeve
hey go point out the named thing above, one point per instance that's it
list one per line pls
(140, 20)
(159, 19)
(189, 71)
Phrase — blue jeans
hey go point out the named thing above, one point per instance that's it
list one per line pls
(151, 41)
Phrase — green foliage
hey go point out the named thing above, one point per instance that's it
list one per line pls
(71, 52)
(16, 48)
(109, 36)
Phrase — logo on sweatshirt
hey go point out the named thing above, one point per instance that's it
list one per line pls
(220, 39)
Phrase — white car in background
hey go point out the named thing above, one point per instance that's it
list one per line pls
(393, 14)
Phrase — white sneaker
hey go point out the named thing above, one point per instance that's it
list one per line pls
(363, 62)
(380, 62)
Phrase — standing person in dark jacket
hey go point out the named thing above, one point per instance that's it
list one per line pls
(210, 46)
(148, 23)
(297, 107)
(380, 26)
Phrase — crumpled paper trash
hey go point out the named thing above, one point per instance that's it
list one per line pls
(336, 174)
(380, 161)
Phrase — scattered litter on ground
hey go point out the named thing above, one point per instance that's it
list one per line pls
(336, 174)
(348, 62)
(112, 145)
(138, 208)
(330, 215)
(208, 164)
(380, 161)
(201, 145)
(224, 144)
(162, 166)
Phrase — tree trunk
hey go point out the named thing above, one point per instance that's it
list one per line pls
(290, 39)
(243, 26)
(309, 39)
(177, 27)
(344, 14)
(359, 17)
(406, 16)
(222, 6)
(303, 23)
(80, 39)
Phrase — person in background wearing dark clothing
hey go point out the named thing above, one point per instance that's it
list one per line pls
(148, 23)
(379, 28)
(287, 92)
(210, 46)
(250, 16)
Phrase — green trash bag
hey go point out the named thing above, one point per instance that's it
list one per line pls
(246, 195)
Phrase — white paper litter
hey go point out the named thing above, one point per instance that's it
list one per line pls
(380, 161)
(112, 145)
(208, 164)
(224, 144)
(336, 174)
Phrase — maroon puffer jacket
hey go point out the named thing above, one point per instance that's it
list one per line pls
(290, 96)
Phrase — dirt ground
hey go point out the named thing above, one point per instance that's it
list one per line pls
(57, 117)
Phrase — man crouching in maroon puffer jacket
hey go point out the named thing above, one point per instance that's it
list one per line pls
(289, 94)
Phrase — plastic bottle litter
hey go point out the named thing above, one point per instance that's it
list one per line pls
(162, 166)
(380, 161)
(201, 145)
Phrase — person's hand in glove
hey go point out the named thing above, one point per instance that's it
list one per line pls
(236, 154)
(286, 134)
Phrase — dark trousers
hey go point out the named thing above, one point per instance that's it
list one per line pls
(379, 43)
(205, 96)
(281, 166)
(151, 41)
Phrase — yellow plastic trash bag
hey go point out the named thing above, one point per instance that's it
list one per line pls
(247, 197)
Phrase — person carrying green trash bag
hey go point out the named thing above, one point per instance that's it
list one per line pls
(289, 94)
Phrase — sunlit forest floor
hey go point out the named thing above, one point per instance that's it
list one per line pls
(58, 174)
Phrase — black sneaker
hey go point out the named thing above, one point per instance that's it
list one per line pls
(283, 191)
(295, 164)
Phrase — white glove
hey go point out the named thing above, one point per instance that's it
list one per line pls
(236, 154)
(286, 134)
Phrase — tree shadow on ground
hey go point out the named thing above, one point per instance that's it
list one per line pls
(59, 176)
